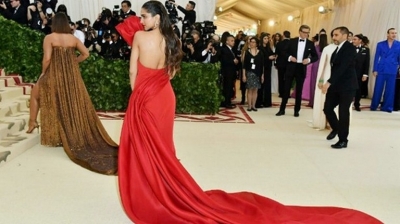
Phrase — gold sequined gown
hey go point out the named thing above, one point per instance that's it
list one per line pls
(68, 117)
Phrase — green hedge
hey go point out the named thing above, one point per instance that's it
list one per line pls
(106, 80)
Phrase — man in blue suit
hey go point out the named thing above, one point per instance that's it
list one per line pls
(386, 64)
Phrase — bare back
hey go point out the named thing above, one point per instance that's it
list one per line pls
(151, 46)
(62, 40)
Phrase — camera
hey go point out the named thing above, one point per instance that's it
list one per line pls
(172, 12)
(80, 25)
(116, 12)
(6, 2)
(206, 29)
(170, 7)
(189, 40)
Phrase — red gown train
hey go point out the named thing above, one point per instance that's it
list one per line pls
(156, 189)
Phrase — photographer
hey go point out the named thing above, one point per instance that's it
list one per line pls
(15, 11)
(212, 51)
(35, 16)
(195, 47)
(90, 34)
(104, 23)
(47, 17)
(126, 11)
(113, 46)
(190, 14)
(77, 33)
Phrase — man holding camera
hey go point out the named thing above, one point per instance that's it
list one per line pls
(190, 14)
(212, 50)
(36, 18)
(16, 12)
(77, 33)
(105, 22)
(126, 11)
(195, 47)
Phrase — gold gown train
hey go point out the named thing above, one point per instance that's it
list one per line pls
(68, 117)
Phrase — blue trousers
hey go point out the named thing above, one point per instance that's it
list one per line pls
(387, 82)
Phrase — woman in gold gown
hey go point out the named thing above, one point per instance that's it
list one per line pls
(68, 117)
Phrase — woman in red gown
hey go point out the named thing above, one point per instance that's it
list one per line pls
(155, 188)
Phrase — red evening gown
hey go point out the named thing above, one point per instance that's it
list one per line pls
(155, 188)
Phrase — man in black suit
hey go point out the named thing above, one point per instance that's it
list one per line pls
(362, 66)
(18, 13)
(126, 11)
(341, 87)
(300, 52)
(190, 14)
(228, 70)
(281, 61)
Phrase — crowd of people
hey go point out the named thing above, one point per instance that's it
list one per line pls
(101, 37)
(306, 65)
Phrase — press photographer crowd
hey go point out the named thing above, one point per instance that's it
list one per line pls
(200, 44)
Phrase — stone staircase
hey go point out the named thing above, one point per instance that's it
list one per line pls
(14, 117)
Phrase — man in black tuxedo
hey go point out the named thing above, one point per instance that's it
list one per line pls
(18, 13)
(281, 61)
(362, 66)
(300, 52)
(341, 87)
(228, 70)
(190, 14)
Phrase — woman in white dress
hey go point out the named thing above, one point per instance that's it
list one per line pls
(324, 73)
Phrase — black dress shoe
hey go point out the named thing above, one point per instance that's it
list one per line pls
(248, 109)
(331, 135)
(339, 145)
(230, 106)
(357, 108)
(296, 114)
(280, 113)
(253, 109)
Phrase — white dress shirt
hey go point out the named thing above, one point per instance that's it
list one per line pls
(80, 35)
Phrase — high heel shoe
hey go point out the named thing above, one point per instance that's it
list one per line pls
(33, 127)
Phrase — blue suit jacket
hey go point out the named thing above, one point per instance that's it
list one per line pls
(387, 60)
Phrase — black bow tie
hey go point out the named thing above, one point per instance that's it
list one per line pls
(301, 40)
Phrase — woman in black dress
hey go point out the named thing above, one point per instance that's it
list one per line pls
(264, 98)
(253, 72)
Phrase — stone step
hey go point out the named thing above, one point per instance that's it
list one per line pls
(8, 81)
(14, 117)
(10, 92)
(16, 105)
(15, 144)
(13, 124)
(2, 83)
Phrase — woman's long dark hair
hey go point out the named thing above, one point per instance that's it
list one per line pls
(60, 24)
(173, 48)
(62, 8)
(323, 41)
